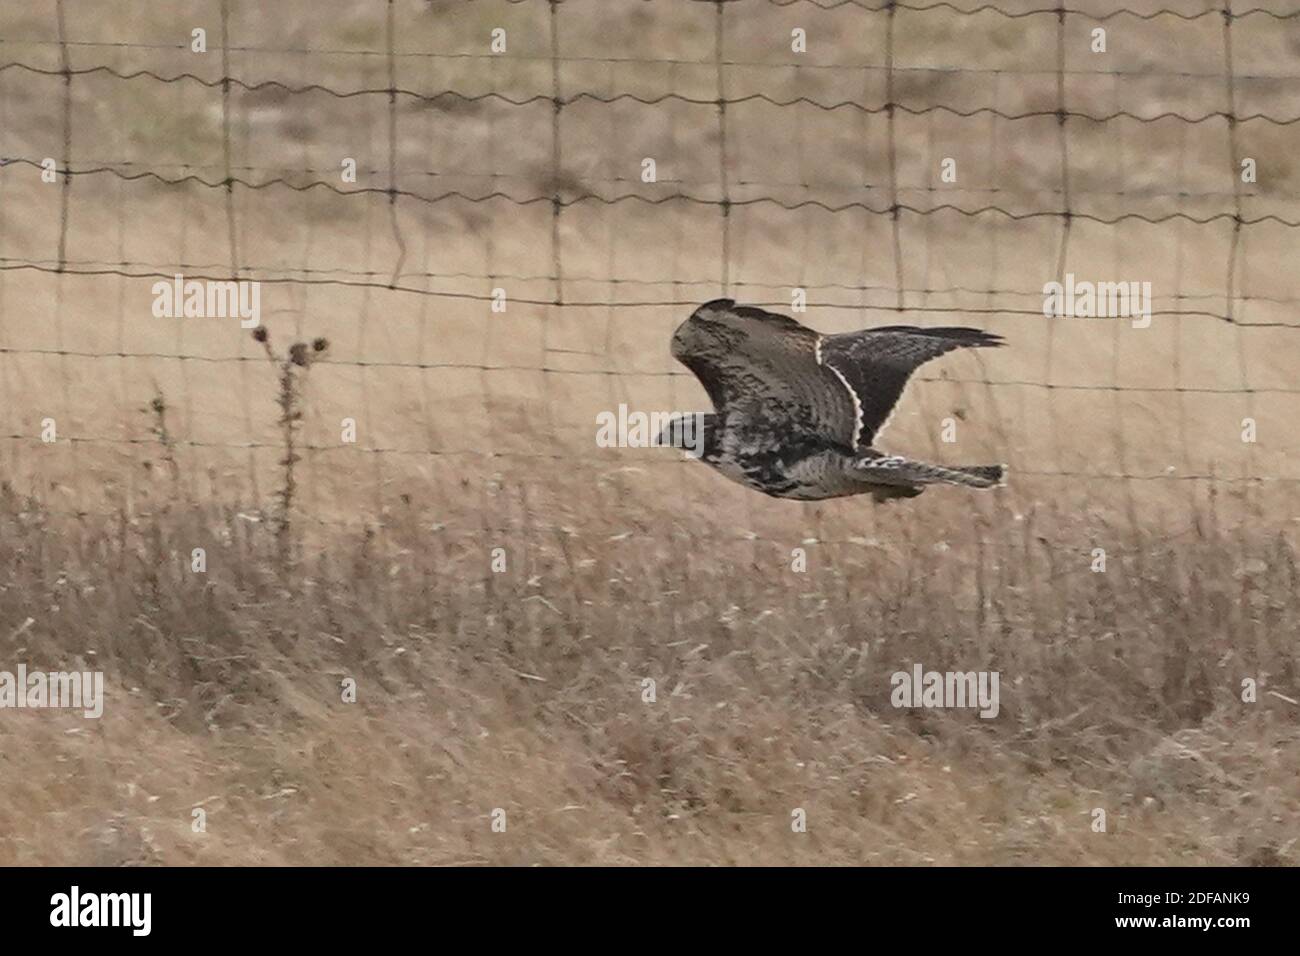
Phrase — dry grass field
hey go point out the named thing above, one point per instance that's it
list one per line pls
(523, 690)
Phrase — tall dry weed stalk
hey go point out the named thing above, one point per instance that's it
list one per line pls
(291, 370)
(158, 409)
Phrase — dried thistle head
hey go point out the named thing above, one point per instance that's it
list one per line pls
(319, 345)
(298, 354)
(260, 334)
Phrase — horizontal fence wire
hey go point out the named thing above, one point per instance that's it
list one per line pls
(55, 268)
(110, 166)
(580, 97)
(1056, 11)
(551, 200)
(616, 281)
(640, 373)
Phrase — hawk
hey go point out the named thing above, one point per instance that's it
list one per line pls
(796, 414)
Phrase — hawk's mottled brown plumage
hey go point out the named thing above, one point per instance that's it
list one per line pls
(796, 413)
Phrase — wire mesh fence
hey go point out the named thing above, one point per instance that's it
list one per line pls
(497, 212)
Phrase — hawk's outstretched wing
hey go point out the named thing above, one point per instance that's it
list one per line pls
(765, 367)
(875, 364)
(773, 372)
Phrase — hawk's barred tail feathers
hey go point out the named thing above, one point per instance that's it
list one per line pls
(982, 476)
(896, 470)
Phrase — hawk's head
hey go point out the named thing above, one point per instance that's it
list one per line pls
(708, 334)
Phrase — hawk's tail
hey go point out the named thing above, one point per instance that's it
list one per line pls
(896, 470)
(979, 476)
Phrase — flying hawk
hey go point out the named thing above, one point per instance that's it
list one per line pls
(796, 413)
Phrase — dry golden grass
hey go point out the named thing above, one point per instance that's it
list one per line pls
(523, 691)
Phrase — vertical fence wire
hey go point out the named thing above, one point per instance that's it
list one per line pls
(65, 197)
(1234, 244)
(1063, 138)
(891, 108)
(227, 162)
(723, 174)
